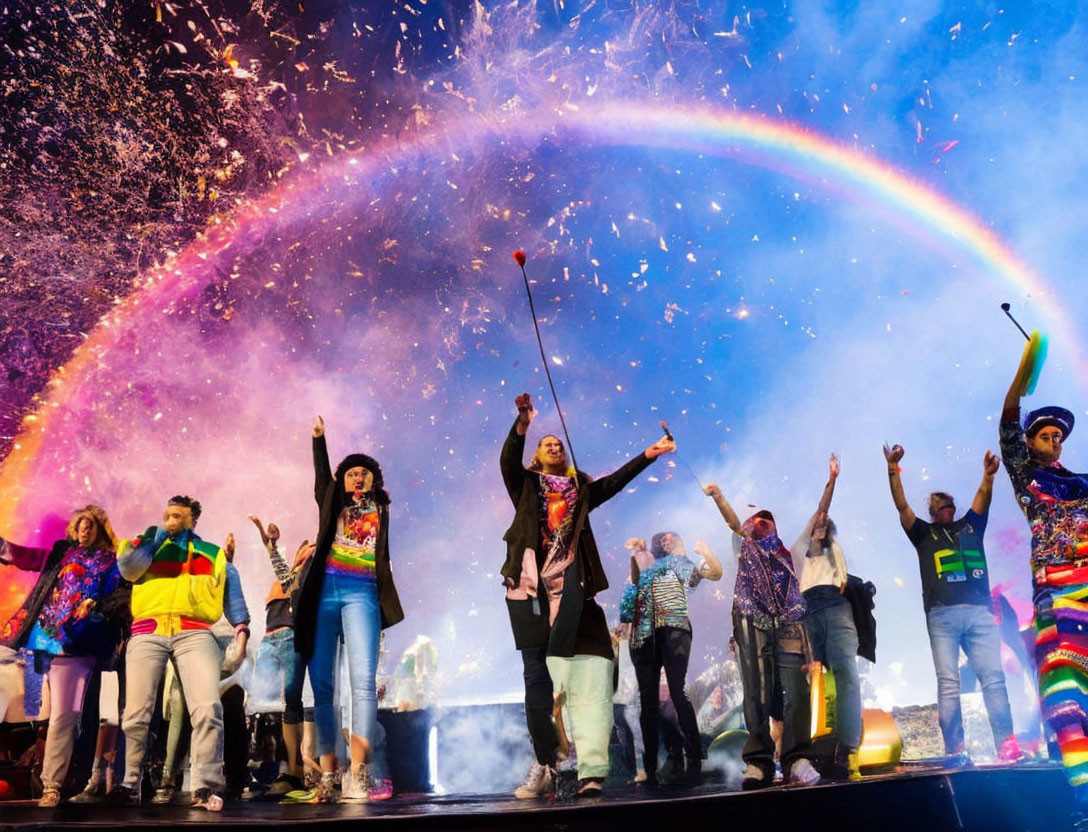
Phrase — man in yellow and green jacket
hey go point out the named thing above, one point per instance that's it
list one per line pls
(181, 586)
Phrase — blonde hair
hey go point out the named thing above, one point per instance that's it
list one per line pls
(102, 536)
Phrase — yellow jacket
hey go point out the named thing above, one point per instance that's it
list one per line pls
(178, 582)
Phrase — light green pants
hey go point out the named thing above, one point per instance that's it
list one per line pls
(587, 682)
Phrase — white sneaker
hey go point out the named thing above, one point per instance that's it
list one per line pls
(355, 787)
(541, 781)
(803, 773)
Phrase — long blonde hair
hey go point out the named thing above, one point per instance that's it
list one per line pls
(102, 537)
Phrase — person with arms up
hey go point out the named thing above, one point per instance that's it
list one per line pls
(1055, 503)
(771, 645)
(829, 620)
(552, 573)
(956, 597)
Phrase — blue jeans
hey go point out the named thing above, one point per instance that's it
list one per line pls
(971, 627)
(280, 673)
(348, 609)
(834, 639)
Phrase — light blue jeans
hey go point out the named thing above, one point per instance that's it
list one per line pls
(834, 639)
(348, 610)
(279, 674)
(972, 627)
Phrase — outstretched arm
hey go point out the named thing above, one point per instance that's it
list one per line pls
(606, 488)
(322, 468)
(30, 558)
(906, 514)
(728, 515)
(1010, 412)
(990, 464)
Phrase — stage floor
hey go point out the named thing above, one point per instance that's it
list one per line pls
(916, 797)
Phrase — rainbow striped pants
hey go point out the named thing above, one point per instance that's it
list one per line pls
(1061, 654)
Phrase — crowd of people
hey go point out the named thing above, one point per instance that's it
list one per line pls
(166, 611)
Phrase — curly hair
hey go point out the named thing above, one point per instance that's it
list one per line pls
(102, 536)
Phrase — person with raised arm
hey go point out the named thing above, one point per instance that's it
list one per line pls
(280, 671)
(771, 644)
(1054, 501)
(655, 604)
(829, 620)
(346, 592)
(552, 573)
(956, 597)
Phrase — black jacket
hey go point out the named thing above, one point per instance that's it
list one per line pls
(529, 620)
(860, 595)
(329, 493)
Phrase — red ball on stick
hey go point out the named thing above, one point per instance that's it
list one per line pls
(519, 256)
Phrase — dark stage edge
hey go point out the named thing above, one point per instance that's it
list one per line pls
(917, 797)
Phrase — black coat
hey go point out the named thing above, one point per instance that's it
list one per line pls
(529, 619)
(329, 493)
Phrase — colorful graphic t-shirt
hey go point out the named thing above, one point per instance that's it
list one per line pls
(952, 561)
(1055, 502)
(353, 549)
(558, 496)
(84, 576)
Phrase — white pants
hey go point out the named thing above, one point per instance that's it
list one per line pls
(587, 682)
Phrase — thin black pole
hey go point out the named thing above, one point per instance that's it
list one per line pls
(543, 358)
(1005, 308)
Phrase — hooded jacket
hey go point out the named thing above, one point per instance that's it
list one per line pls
(331, 499)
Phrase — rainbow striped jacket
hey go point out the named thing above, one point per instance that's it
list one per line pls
(178, 582)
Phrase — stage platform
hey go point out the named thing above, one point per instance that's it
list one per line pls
(915, 797)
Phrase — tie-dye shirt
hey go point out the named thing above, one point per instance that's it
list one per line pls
(352, 552)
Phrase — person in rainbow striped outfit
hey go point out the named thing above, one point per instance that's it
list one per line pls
(1055, 502)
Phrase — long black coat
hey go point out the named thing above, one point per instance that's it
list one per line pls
(329, 493)
(529, 620)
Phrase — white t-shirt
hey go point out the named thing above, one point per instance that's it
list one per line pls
(817, 566)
